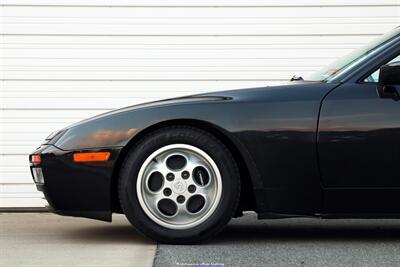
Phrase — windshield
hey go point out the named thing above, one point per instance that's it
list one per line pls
(345, 63)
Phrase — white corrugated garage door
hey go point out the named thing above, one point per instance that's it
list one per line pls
(62, 61)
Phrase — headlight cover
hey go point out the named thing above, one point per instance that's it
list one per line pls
(53, 137)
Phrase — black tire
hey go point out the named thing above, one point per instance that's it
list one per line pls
(179, 135)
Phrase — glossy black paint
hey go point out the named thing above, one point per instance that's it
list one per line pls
(310, 148)
(77, 189)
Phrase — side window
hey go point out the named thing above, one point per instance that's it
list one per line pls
(374, 77)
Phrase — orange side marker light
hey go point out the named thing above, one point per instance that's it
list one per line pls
(91, 156)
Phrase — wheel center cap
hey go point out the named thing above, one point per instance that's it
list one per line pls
(179, 187)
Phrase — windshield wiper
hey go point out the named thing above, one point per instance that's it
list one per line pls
(296, 78)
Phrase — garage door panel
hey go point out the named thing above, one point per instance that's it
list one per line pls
(18, 188)
(26, 63)
(20, 195)
(194, 29)
(197, 21)
(72, 102)
(22, 201)
(64, 61)
(16, 177)
(54, 41)
(32, 94)
(21, 173)
(17, 148)
(36, 137)
(198, 11)
(238, 3)
(142, 75)
(171, 54)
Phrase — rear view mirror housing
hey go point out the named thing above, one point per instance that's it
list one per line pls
(389, 77)
(390, 74)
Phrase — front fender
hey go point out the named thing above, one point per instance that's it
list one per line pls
(275, 127)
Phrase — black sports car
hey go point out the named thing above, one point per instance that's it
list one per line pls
(325, 146)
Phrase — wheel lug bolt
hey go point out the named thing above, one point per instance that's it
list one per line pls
(191, 188)
(167, 192)
(185, 174)
(170, 176)
(180, 199)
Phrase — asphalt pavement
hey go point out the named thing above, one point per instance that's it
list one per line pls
(293, 242)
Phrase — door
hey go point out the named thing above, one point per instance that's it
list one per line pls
(359, 150)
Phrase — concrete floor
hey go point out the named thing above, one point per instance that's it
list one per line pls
(44, 239)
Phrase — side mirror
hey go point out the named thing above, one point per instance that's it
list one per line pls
(389, 77)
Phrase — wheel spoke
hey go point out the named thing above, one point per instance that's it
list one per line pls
(183, 213)
(205, 191)
(190, 190)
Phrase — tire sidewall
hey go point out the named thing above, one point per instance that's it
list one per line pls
(202, 140)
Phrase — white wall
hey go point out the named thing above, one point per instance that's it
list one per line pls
(62, 61)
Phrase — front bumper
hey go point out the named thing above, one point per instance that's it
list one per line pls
(75, 188)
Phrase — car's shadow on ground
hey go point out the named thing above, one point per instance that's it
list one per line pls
(370, 230)
(249, 229)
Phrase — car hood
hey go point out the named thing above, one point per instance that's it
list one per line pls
(223, 108)
(204, 97)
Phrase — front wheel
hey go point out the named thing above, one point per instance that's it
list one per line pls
(179, 185)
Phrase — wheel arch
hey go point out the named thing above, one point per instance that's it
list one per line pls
(248, 173)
